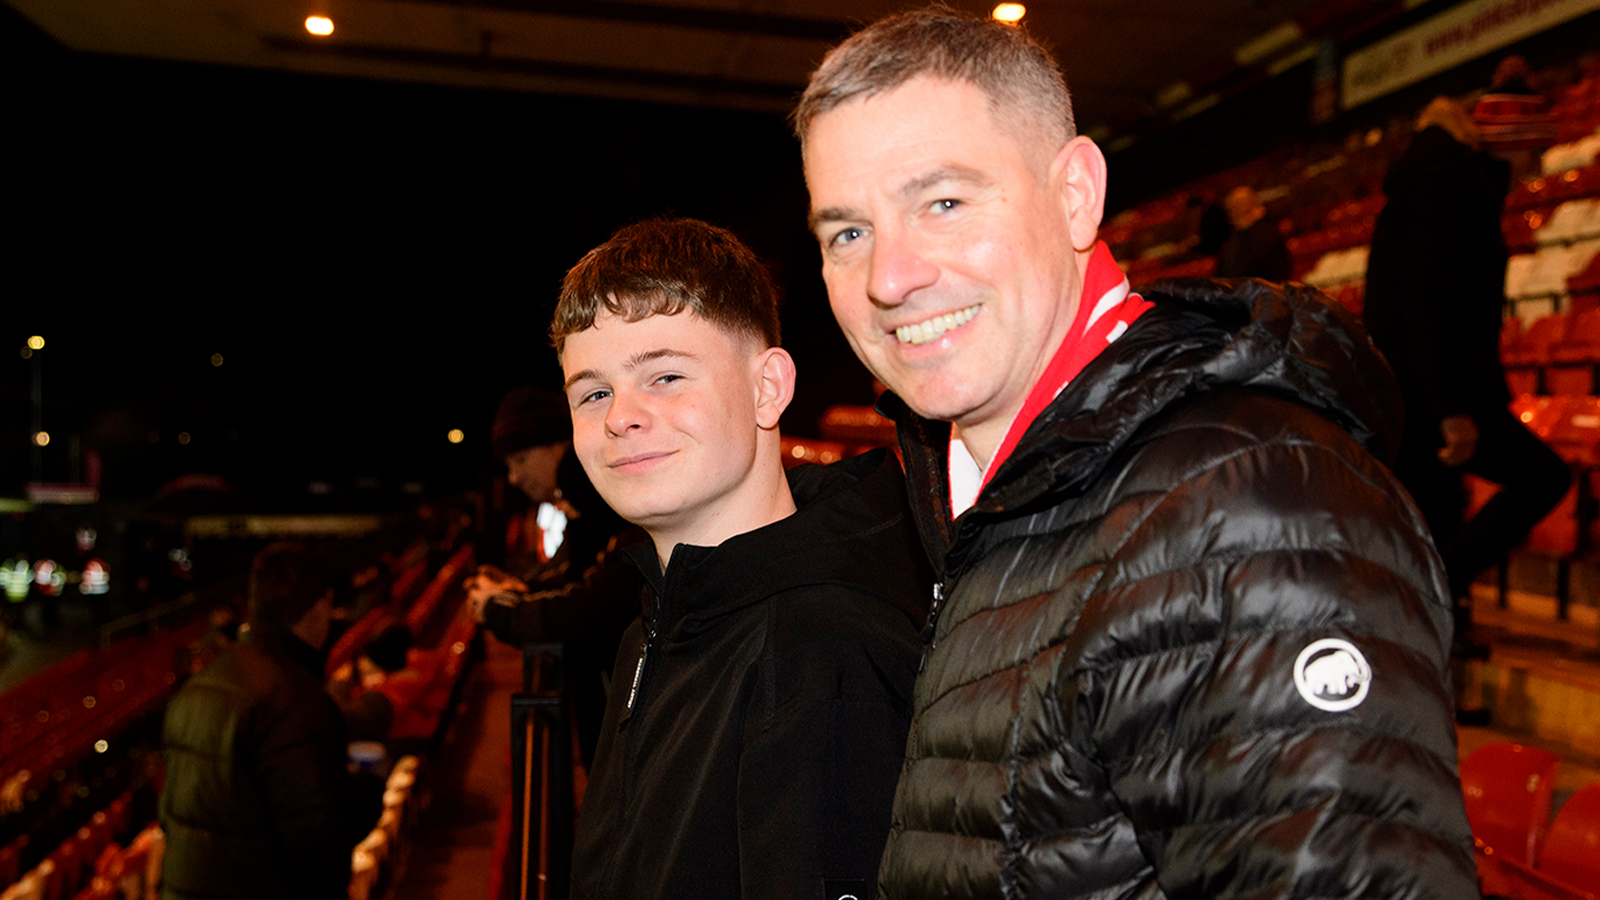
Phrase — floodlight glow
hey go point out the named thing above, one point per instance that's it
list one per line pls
(41, 438)
(1010, 13)
(36, 343)
(456, 436)
(321, 26)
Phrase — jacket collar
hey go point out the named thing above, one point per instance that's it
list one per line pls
(847, 530)
(276, 640)
(1201, 335)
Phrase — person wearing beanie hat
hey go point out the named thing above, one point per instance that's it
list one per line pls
(532, 432)
(567, 592)
(257, 801)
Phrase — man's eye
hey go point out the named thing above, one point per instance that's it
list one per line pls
(945, 205)
(844, 236)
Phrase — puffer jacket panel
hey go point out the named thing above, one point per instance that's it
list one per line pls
(1110, 708)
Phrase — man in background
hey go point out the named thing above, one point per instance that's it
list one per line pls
(572, 588)
(258, 802)
(1435, 299)
(1255, 248)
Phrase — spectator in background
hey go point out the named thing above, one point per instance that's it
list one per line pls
(1434, 302)
(1255, 249)
(1214, 227)
(258, 802)
(566, 591)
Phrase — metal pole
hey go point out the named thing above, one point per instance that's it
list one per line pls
(38, 415)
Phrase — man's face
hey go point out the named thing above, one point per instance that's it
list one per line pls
(664, 417)
(950, 246)
(533, 469)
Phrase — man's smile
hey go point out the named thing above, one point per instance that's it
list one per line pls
(923, 332)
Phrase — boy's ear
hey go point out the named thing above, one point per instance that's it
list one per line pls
(775, 376)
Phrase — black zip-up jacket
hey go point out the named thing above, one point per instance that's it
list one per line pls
(1193, 636)
(753, 752)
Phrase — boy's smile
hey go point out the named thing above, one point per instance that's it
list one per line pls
(666, 413)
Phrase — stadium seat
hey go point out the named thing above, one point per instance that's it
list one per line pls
(1571, 851)
(1507, 788)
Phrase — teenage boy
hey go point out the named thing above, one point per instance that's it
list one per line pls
(759, 706)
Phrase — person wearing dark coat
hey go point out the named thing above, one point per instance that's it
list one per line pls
(1189, 635)
(580, 594)
(1434, 300)
(759, 704)
(1255, 248)
(257, 801)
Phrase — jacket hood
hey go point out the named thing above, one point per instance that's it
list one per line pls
(1201, 335)
(1435, 156)
(851, 528)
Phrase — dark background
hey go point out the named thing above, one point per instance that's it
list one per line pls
(376, 262)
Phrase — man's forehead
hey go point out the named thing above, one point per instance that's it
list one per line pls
(931, 108)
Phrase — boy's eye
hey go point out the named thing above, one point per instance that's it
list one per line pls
(592, 396)
(669, 378)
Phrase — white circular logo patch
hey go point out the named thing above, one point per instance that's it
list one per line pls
(1332, 674)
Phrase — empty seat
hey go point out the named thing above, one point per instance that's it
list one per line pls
(1507, 788)
(1571, 851)
(1533, 349)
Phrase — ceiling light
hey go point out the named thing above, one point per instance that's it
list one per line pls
(321, 26)
(1010, 13)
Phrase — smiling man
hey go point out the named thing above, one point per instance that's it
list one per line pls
(1189, 635)
(759, 706)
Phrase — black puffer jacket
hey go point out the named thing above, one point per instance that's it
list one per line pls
(1110, 708)
(257, 801)
(758, 754)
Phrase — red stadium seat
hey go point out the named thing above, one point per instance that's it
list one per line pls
(1507, 788)
(1571, 851)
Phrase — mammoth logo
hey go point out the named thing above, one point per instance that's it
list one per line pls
(1332, 674)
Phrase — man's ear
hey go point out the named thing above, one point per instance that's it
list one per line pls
(775, 376)
(1079, 174)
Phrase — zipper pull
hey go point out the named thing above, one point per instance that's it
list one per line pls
(933, 621)
(638, 675)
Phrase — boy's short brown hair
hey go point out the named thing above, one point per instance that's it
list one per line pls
(661, 267)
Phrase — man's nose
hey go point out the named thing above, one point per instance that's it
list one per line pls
(898, 267)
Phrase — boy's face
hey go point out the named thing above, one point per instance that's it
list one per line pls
(664, 418)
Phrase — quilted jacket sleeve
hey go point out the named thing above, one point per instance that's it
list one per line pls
(1269, 697)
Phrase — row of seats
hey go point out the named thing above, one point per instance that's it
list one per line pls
(1509, 790)
(85, 866)
(92, 853)
(1571, 427)
(97, 868)
(1326, 199)
(1556, 355)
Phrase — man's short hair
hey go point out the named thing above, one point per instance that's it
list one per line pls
(1014, 70)
(286, 580)
(661, 267)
